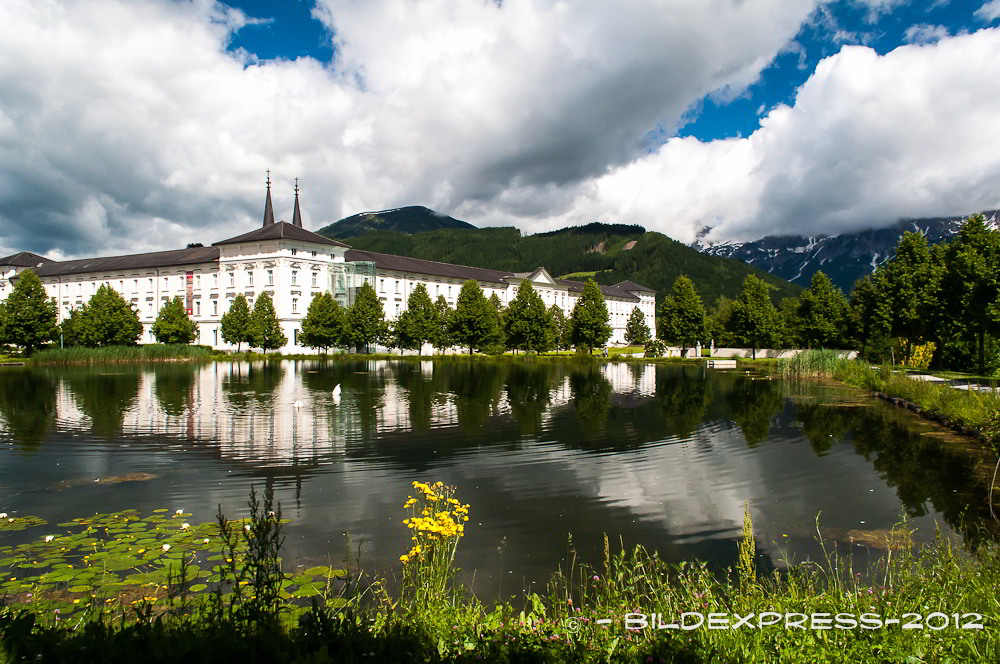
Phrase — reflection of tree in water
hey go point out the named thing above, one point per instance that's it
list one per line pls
(824, 425)
(27, 405)
(591, 393)
(753, 403)
(476, 387)
(174, 384)
(362, 387)
(925, 469)
(251, 386)
(104, 397)
(422, 392)
(528, 389)
(683, 395)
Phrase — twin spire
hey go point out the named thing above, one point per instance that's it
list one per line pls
(269, 209)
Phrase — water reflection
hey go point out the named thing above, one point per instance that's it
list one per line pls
(664, 456)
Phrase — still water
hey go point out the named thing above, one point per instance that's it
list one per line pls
(665, 456)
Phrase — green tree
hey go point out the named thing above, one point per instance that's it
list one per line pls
(558, 334)
(636, 331)
(589, 322)
(791, 322)
(720, 323)
(869, 316)
(235, 323)
(107, 320)
(265, 329)
(365, 320)
(755, 320)
(475, 322)
(323, 326)
(527, 320)
(442, 339)
(823, 312)
(498, 345)
(173, 325)
(29, 315)
(420, 323)
(683, 315)
(910, 283)
(970, 286)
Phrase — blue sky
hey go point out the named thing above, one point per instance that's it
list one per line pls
(132, 125)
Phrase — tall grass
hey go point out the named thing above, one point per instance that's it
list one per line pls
(811, 363)
(140, 353)
(590, 613)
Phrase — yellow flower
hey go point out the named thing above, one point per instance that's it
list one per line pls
(405, 558)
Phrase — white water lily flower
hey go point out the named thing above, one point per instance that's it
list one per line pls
(180, 511)
(166, 547)
(3, 515)
(246, 527)
(206, 540)
(49, 538)
(185, 526)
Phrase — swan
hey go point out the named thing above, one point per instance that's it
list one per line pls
(297, 404)
(336, 394)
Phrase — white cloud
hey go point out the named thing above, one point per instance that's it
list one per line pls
(117, 116)
(923, 33)
(989, 12)
(869, 139)
(127, 126)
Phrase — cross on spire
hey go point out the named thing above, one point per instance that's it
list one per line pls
(296, 214)
(268, 208)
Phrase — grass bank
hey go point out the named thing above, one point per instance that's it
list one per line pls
(245, 607)
(968, 411)
(111, 354)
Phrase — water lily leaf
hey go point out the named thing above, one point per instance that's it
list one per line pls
(309, 589)
(198, 587)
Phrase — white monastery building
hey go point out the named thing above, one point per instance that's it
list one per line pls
(292, 264)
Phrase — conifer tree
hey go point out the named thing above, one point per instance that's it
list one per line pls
(822, 313)
(108, 320)
(526, 320)
(420, 323)
(173, 325)
(755, 319)
(365, 320)
(590, 321)
(29, 314)
(323, 326)
(636, 330)
(683, 315)
(265, 329)
(235, 323)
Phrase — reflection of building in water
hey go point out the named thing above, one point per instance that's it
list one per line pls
(286, 412)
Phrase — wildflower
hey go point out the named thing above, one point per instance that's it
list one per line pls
(166, 547)
(405, 558)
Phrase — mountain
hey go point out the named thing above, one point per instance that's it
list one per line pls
(609, 252)
(411, 219)
(844, 258)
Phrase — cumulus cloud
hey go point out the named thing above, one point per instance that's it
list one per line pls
(989, 11)
(868, 140)
(128, 125)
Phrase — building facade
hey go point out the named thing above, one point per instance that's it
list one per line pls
(292, 264)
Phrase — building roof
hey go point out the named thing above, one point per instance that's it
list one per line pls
(633, 287)
(281, 230)
(24, 259)
(608, 291)
(420, 266)
(131, 262)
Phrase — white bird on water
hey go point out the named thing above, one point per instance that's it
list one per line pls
(336, 395)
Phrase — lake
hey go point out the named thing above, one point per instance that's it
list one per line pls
(660, 455)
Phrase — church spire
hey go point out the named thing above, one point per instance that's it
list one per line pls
(268, 209)
(296, 215)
